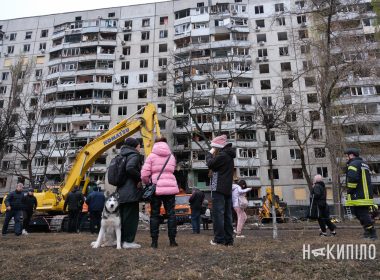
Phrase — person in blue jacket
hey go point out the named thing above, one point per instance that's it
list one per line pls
(95, 201)
(14, 203)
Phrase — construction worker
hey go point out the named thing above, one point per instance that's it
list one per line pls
(360, 192)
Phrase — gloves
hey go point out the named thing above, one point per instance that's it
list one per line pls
(212, 151)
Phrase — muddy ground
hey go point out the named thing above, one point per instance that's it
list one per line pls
(69, 256)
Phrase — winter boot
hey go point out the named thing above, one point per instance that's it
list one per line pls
(154, 244)
(372, 233)
(172, 242)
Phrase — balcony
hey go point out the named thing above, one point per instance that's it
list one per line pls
(200, 32)
(244, 162)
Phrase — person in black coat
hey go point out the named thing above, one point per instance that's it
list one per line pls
(220, 160)
(14, 203)
(319, 208)
(95, 201)
(74, 203)
(196, 201)
(30, 204)
(130, 193)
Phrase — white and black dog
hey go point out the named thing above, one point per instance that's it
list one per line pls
(110, 230)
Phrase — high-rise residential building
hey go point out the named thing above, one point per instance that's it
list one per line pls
(206, 65)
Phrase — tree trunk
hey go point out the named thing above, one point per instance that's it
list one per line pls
(273, 207)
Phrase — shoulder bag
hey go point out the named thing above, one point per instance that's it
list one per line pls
(150, 189)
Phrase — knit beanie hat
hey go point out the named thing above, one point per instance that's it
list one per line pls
(131, 142)
(219, 141)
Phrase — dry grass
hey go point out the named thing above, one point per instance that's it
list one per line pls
(69, 256)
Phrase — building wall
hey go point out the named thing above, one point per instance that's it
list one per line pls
(287, 187)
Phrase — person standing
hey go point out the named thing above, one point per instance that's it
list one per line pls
(239, 190)
(14, 203)
(130, 193)
(360, 191)
(30, 205)
(319, 208)
(166, 189)
(206, 215)
(220, 160)
(74, 202)
(95, 201)
(196, 201)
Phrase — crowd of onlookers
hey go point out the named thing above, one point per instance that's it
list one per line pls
(227, 196)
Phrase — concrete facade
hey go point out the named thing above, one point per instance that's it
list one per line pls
(100, 66)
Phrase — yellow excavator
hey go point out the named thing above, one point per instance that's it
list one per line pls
(265, 212)
(51, 202)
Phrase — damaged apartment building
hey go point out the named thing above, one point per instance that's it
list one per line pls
(97, 67)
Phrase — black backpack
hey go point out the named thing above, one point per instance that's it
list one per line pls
(116, 171)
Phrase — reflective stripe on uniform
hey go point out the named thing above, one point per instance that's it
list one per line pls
(359, 202)
(365, 185)
(352, 168)
(352, 185)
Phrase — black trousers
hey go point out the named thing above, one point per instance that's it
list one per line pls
(362, 214)
(155, 205)
(74, 220)
(95, 220)
(26, 217)
(129, 214)
(324, 218)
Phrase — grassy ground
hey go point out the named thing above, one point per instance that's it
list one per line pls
(69, 256)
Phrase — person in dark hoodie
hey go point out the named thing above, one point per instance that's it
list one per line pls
(196, 201)
(95, 201)
(319, 208)
(130, 193)
(74, 202)
(30, 204)
(220, 160)
(14, 203)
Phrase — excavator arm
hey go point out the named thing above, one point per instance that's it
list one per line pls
(147, 124)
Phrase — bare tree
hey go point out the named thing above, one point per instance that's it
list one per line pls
(19, 74)
(204, 89)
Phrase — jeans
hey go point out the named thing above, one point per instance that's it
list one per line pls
(95, 220)
(196, 220)
(129, 214)
(155, 205)
(222, 218)
(241, 218)
(16, 214)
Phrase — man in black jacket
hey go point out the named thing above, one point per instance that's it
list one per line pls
(196, 201)
(14, 203)
(74, 201)
(130, 193)
(30, 204)
(220, 160)
(320, 207)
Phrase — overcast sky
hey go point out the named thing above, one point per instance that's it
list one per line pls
(26, 8)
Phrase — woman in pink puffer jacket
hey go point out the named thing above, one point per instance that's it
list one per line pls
(166, 189)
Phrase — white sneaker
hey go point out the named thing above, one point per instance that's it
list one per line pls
(132, 245)
(240, 236)
(235, 231)
(213, 243)
(24, 232)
